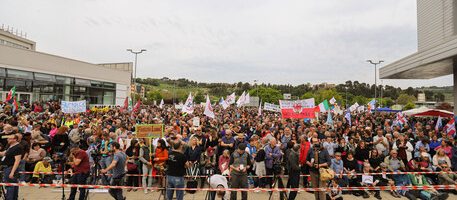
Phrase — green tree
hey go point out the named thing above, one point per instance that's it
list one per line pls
(199, 98)
(361, 100)
(403, 99)
(328, 94)
(267, 94)
(409, 105)
(155, 95)
(307, 95)
(386, 102)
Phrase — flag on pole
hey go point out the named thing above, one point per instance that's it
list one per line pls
(208, 109)
(439, 124)
(371, 104)
(15, 106)
(260, 109)
(188, 107)
(323, 107)
(247, 98)
(137, 106)
(401, 119)
(231, 99)
(329, 119)
(224, 103)
(161, 104)
(130, 106)
(11, 94)
(348, 117)
(126, 104)
(241, 99)
(332, 101)
(450, 128)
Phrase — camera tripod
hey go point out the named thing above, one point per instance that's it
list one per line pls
(95, 175)
(278, 180)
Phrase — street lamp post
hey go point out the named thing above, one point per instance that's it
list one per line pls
(375, 77)
(346, 104)
(136, 58)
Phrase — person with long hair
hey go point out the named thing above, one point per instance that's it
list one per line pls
(160, 157)
(132, 164)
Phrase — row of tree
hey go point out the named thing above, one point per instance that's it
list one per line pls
(345, 94)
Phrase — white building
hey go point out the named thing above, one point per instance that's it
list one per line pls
(41, 76)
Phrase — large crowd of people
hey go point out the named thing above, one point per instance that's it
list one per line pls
(238, 148)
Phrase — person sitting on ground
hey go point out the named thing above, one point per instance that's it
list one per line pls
(447, 178)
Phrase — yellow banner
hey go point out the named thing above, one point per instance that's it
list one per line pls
(149, 131)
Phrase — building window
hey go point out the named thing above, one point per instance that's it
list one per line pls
(96, 84)
(82, 82)
(12, 73)
(109, 85)
(45, 77)
(64, 80)
(21, 85)
(2, 72)
(108, 98)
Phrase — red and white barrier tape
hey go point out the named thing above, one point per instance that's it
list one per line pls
(267, 176)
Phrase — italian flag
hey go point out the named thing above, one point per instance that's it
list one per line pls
(323, 107)
(15, 106)
(11, 94)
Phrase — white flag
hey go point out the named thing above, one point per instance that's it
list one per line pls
(333, 100)
(231, 99)
(161, 104)
(241, 99)
(188, 107)
(208, 109)
(224, 103)
(247, 99)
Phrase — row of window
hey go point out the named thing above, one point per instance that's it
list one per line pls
(11, 44)
(19, 74)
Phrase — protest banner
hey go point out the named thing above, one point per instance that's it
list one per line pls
(271, 107)
(149, 130)
(300, 109)
(73, 106)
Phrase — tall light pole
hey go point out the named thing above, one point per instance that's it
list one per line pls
(136, 58)
(375, 77)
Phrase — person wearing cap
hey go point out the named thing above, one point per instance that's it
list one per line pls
(207, 163)
(41, 168)
(239, 165)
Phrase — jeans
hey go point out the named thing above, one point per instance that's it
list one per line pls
(104, 163)
(293, 182)
(175, 182)
(147, 172)
(239, 181)
(21, 168)
(79, 179)
(116, 193)
(12, 192)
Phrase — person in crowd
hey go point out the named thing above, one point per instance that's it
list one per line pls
(318, 157)
(42, 171)
(403, 148)
(146, 162)
(337, 165)
(330, 145)
(219, 182)
(224, 162)
(375, 159)
(440, 156)
(239, 164)
(35, 155)
(117, 166)
(11, 159)
(335, 192)
(79, 162)
(380, 142)
(177, 164)
(273, 156)
(305, 145)
(447, 178)
(368, 180)
(294, 170)
(133, 153)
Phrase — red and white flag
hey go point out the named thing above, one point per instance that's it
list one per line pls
(401, 119)
(450, 127)
(137, 106)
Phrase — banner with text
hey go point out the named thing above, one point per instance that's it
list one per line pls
(73, 106)
(271, 107)
(299, 109)
(149, 130)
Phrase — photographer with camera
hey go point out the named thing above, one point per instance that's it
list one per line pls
(81, 167)
(239, 164)
(118, 168)
(317, 158)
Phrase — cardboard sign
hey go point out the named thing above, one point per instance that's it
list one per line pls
(196, 121)
(149, 131)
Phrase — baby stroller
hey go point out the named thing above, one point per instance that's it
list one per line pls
(192, 182)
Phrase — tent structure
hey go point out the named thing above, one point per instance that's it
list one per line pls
(428, 112)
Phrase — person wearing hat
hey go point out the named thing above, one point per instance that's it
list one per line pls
(240, 139)
(239, 165)
(40, 169)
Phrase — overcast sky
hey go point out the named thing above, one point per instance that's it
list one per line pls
(286, 41)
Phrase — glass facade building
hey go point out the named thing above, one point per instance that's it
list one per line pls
(34, 86)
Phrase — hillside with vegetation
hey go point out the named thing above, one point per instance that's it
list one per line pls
(350, 92)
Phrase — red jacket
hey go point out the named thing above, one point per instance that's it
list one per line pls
(304, 148)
